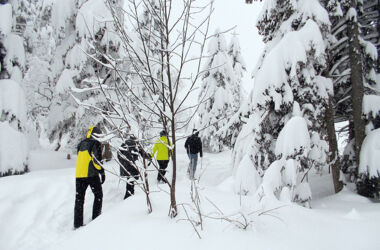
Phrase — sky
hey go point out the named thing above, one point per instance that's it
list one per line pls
(230, 13)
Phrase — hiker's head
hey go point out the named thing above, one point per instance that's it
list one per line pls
(195, 132)
(93, 132)
(163, 133)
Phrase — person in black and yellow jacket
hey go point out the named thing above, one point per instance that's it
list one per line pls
(87, 174)
(163, 149)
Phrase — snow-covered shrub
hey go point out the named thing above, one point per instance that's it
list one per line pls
(284, 179)
(219, 95)
(369, 169)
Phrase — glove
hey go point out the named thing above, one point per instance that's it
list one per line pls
(103, 177)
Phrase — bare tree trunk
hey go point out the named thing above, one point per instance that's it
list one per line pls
(333, 146)
(357, 82)
(173, 202)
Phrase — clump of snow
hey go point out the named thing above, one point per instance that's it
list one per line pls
(16, 74)
(293, 138)
(352, 14)
(371, 104)
(92, 17)
(247, 179)
(14, 45)
(312, 9)
(353, 215)
(5, 18)
(370, 154)
(285, 56)
(12, 100)
(65, 81)
(76, 58)
(62, 11)
(302, 192)
(13, 149)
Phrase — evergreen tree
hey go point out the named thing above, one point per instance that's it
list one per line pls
(288, 77)
(85, 32)
(233, 127)
(218, 95)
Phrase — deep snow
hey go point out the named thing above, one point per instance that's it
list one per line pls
(36, 212)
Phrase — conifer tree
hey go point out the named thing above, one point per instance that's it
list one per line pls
(218, 96)
(289, 74)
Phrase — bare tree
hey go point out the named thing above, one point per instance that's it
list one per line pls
(159, 72)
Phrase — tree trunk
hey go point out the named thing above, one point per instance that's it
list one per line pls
(356, 82)
(173, 202)
(334, 160)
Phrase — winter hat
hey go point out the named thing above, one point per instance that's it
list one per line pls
(195, 132)
(92, 131)
(163, 133)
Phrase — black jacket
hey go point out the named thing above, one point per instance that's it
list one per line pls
(193, 145)
(89, 158)
(128, 155)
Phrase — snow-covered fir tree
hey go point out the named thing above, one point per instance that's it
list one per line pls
(85, 32)
(289, 92)
(231, 130)
(219, 95)
(13, 138)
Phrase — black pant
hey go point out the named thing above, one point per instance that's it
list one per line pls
(162, 171)
(131, 181)
(81, 186)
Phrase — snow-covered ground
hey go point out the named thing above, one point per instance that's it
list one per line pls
(36, 212)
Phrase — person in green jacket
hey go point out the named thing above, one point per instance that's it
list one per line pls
(163, 149)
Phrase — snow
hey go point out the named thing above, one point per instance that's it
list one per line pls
(41, 215)
(312, 9)
(92, 16)
(76, 58)
(371, 104)
(13, 149)
(293, 138)
(351, 14)
(14, 45)
(5, 18)
(12, 100)
(247, 179)
(289, 52)
(62, 11)
(370, 154)
(65, 81)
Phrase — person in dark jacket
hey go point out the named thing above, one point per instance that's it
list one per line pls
(87, 174)
(128, 155)
(193, 146)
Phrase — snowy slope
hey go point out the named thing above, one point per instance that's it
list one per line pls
(37, 213)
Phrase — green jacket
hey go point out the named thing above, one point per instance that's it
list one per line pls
(162, 148)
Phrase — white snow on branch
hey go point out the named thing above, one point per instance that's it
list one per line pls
(370, 154)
